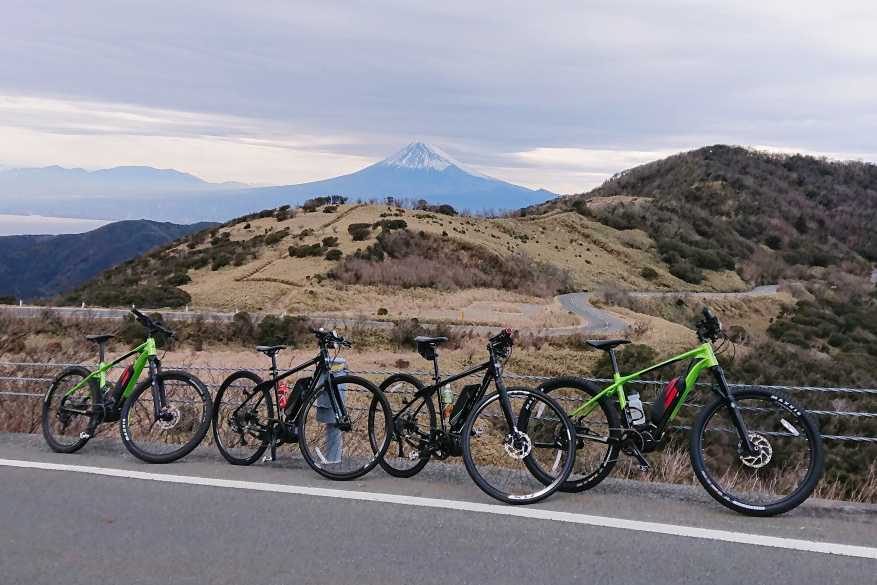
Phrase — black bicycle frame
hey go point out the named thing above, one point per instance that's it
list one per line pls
(493, 374)
(322, 367)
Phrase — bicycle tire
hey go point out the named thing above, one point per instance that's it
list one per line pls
(491, 459)
(351, 453)
(231, 433)
(191, 410)
(598, 433)
(779, 426)
(52, 413)
(396, 461)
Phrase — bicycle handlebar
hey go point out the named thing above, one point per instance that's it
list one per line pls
(151, 325)
(329, 337)
(710, 327)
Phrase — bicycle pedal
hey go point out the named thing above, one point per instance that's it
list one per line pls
(479, 432)
(268, 458)
(84, 436)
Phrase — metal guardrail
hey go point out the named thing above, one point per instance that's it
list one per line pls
(9, 380)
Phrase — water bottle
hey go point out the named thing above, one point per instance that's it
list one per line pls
(447, 401)
(635, 405)
(282, 393)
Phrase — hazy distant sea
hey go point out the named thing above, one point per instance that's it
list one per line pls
(14, 225)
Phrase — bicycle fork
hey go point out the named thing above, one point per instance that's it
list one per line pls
(724, 392)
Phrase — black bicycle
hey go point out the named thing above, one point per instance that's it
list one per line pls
(324, 413)
(504, 437)
(163, 418)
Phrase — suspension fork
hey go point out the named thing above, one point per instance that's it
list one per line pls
(724, 392)
(159, 398)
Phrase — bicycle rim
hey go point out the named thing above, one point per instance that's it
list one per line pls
(182, 424)
(240, 419)
(500, 464)
(784, 471)
(413, 423)
(334, 450)
(65, 418)
(597, 432)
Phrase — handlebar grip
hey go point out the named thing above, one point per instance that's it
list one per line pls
(706, 313)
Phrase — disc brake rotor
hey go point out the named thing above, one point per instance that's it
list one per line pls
(518, 448)
(174, 413)
(762, 457)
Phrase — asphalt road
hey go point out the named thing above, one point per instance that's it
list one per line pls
(602, 322)
(202, 521)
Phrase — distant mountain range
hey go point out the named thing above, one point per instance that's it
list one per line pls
(419, 171)
(34, 266)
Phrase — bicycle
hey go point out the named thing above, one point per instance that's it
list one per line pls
(323, 413)
(498, 435)
(162, 418)
(754, 450)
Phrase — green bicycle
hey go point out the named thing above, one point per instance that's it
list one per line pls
(163, 418)
(755, 450)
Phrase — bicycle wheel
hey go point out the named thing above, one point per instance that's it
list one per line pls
(180, 426)
(598, 432)
(241, 415)
(780, 476)
(66, 418)
(495, 458)
(335, 450)
(412, 426)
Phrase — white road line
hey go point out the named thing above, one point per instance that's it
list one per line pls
(532, 513)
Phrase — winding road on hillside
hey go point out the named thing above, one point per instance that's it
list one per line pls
(599, 321)
(200, 520)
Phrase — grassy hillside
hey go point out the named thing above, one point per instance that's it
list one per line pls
(359, 259)
(774, 216)
(33, 266)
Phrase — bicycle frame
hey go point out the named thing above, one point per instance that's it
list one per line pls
(703, 356)
(147, 351)
(492, 374)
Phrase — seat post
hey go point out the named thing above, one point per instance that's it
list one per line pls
(612, 359)
(273, 364)
(435, 365)
(101, 350)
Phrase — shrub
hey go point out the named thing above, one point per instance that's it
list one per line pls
(293, 331)
(219, 261)
(649, 273)
(330, 242)
(391, 224)
(275, 237)
(687, 272)
(330, 209)
(178, 279)
(334, 255)
(359, 231)
(631, 358)
(8, 300)
(305, 250)
(382, 311)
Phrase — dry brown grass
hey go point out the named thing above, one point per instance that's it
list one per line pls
(273, 282)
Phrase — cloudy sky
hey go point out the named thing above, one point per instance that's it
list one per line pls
(557, 95)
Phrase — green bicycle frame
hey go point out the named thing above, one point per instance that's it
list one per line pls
(704, 356)
(146, 350)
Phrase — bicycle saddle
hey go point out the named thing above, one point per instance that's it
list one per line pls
(270, 350)
(426, 346)
(99, 338)
(607, 344)
(430, 340)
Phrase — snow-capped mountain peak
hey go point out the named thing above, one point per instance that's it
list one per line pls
(422, 155)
